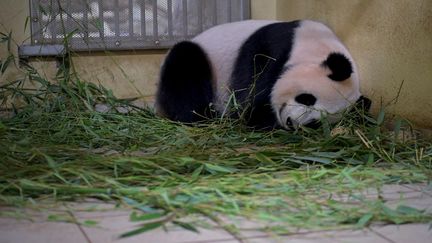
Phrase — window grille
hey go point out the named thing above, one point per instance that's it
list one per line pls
(127, 24)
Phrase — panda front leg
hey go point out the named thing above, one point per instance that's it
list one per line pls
(185, 86)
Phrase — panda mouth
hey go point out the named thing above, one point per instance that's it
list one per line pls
(290, 125)
(313, 124)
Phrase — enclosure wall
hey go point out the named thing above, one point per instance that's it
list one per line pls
(390, 40)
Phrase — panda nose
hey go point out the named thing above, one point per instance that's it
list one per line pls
(306, 99)
(289, 123)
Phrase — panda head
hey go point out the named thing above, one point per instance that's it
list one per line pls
(305, 92)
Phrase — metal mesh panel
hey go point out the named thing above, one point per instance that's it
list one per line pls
(128, 24)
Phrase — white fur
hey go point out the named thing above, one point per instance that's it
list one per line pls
(222, 44)
(313, 43)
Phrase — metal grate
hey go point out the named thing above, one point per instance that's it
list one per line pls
(128, 24)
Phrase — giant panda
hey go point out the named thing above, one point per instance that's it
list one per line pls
(272, 74)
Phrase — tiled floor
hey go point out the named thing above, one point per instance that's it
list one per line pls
(111, 222)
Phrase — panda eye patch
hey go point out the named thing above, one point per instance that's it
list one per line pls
(306, 99)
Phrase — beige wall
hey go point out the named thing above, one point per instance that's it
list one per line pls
(390, 40)
(263, 9)
(12, 18)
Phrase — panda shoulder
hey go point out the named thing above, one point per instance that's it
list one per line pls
(231, 32)
(311, 28)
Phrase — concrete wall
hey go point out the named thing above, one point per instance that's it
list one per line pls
(390, 40)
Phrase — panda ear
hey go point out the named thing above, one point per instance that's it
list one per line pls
(363, 103)
(339, 65)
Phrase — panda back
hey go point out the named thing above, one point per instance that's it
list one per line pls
(222, 44)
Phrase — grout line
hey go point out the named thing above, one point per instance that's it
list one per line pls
(84, 233)
(381, 235)
(408, 186)
(212, 241)
(417, 190)
(75, 221)
(106, 216)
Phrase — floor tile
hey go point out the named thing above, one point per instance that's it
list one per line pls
(247, 228)
(395, 192)
(389, 193)
(109, 229)
(408, 233)
(23, 231)
(423, 187)
(99, 211)
(421, 203)
(110, 222)
(351, 236)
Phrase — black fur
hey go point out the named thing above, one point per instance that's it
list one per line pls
(363, 103)
(339, 65)
(185, 87)
(306, 99)
(265, 52)
(360, 111)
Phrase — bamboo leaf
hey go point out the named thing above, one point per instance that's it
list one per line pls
(186, 226)
(90, 223)
(381, 116)
(219, 169)
(134, 217)
(26, 23)
(5, 64)
(9, 42)
(197, 172)
(264, 159)
(364, 220)
(142, 229)
(315, 159)
(407, 210)
(140, 206)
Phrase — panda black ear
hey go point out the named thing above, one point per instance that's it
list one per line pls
(339, 65)
(363, 103)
